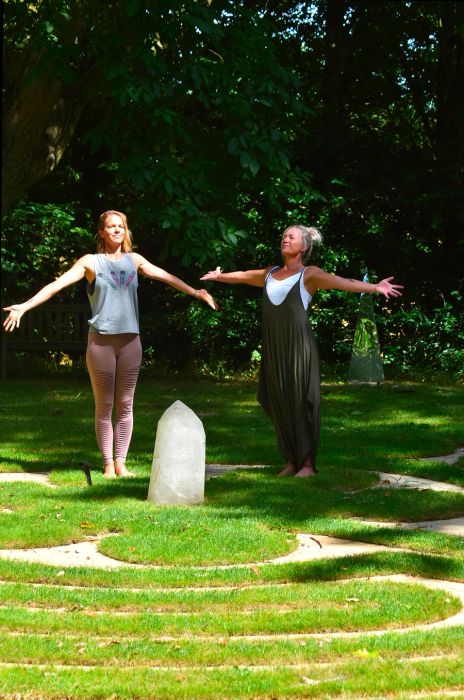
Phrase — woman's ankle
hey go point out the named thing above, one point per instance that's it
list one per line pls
(121, 469)
(108, 469)
(289, 470)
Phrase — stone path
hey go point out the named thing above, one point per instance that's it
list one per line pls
(310, 547)
(452, 526)
(452, 458)
(402, 481)
(32, 477)
(78, 554)
(451, 587)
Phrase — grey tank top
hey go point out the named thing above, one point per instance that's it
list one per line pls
(113, 296)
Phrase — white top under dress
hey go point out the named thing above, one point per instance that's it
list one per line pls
(277, 290)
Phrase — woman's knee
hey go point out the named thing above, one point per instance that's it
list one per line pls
(124, 409)
(103, 410)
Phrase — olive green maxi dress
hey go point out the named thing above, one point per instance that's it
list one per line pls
(289, 383)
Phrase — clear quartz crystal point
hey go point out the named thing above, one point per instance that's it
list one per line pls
(178, 469)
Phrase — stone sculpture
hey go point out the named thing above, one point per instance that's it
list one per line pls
(366, 362)
(178, 469)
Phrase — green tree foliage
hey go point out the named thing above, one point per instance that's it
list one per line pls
(39, 242)
(215, 124)
(182, 107)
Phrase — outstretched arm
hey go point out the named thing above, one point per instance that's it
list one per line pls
(256, 278)
(315, 279)
(71, 276)
(153, 272)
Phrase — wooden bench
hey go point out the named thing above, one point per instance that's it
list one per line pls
(51, 328)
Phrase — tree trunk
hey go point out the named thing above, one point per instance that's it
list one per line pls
(40, 117)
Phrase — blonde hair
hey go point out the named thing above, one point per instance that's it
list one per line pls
(310, 235)
(127, 241)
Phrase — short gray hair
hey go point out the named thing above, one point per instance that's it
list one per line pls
(311, 236)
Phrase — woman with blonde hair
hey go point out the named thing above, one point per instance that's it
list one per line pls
(114, 351)
(289, 383)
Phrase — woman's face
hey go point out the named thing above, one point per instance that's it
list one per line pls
(292, 242)
(113, 232)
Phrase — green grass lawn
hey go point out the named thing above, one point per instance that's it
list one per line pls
(208, 617)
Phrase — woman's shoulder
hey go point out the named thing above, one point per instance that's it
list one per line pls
(136, 258)
(87, 259)
(267, 271)
(311, 275)
(311, 271)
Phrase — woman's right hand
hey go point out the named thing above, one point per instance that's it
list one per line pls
(12, 320)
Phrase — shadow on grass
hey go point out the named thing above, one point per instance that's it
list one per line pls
(382, 563)
(294, 501)
(133, 488)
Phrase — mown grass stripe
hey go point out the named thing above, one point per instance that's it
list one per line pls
(327, 596)
(152, 589)
(436, 639)
(213, 652)
(386, 678)
(376, 563)
(307, 665)
(230, 623)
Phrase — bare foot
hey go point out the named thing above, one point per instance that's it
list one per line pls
(288, 471)
(121, 470)
(109, 472)
(306, 470)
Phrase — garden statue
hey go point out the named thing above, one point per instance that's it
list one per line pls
(366, 363)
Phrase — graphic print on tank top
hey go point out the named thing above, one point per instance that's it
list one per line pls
(117, 282)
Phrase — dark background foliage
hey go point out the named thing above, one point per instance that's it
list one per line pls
(216, 124)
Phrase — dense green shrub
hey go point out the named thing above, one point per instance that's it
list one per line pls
(39, 242)
(180, 334)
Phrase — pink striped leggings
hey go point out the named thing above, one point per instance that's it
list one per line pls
(113, 362)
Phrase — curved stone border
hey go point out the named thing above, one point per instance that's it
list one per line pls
(32, 477)
(451, 587)
(86, 554)
(452, 458)
(83, 554)
(310, 547)
(451, 526)
(403, 481)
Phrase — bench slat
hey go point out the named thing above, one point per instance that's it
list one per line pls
(61, 327)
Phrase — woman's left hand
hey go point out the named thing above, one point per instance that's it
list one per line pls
(205, 296)
(389, 290)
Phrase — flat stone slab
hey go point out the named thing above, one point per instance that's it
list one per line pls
(311, 547)
(84, 554)
(452, 458)
(451, 526)
(34, 477)
(403, 481)
(213, 470)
